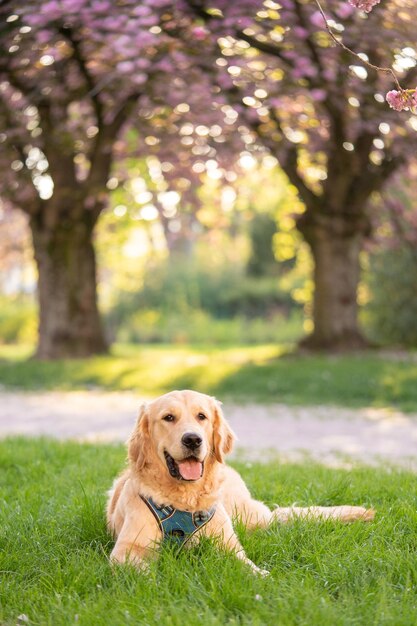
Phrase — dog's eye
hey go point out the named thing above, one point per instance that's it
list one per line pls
(201, 417)
(168, 418)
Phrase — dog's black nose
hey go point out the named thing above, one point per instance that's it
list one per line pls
(192, 440)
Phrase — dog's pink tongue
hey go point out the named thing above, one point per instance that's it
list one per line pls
(190, 469)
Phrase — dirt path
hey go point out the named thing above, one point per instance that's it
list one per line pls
(325, 433)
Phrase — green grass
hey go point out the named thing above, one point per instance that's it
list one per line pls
(54, 550)
(266, 373)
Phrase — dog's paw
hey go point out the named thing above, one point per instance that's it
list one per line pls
(258, 571)
(127, 558)
(263, 572)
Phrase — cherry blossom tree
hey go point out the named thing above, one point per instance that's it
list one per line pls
(82, 84)
(321, 111)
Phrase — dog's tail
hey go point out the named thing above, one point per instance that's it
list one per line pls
(343, 513)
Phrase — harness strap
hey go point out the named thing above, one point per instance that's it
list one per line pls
(178, 525)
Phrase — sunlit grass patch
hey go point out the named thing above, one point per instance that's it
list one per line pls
(54, 549)
(146, 369)
(264, 373)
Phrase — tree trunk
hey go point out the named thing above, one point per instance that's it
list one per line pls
(69, 322)
(335, 245)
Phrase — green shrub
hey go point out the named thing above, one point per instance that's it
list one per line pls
(222, 292)
(391, 314)
(186, 303)
(262, 261)
(18, 320)
(198, 326)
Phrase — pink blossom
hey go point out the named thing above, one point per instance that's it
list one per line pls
(344, 11)
(141, 11)
(71, 6)
(139, 79)
(199, 32)
(364, 5)
(165, 65)
(245, 22)
(52, 7)
(161, 4)
(316, 19)
(402, 100)
(276, 102)
(318, 95)
(300, 32)
(395, 100)
(44, 36)
(101, 5)
(35, 20)
(142, 64)
(126, 67)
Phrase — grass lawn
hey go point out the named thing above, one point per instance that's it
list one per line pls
(54, 549)
(265, 373)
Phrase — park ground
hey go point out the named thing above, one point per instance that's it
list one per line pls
(355, 414)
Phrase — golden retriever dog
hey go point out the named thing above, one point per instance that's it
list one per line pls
(178, 487)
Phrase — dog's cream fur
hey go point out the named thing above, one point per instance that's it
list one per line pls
(131, 521)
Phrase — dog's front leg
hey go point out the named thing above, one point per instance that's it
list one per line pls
(136, 544)
(221, 528)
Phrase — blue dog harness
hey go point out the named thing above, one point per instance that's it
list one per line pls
(175, 525)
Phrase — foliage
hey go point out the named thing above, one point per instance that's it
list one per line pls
(189, 284)
(391, 298)
(93, 71)
(289, 83)
(75, 77)
(128, 240)
(101, 68)
(392, 310)
(262, 260)
(187, 87)
(17, 320)
(150, 290)
(268, 373)
(328, 125)
(199, 327)
(55, 547)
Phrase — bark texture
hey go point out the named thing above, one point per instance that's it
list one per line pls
(336, 244)
(69, 321)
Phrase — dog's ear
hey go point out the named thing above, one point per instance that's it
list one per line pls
(223, 435)
(139, 439)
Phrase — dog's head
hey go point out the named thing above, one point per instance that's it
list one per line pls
(184, 431)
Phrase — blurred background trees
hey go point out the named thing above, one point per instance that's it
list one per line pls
(228, 164)
(75, 76)
(320, 112)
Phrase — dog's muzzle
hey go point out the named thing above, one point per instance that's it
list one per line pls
(189, 469)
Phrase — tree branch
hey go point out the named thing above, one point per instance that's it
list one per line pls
(58, 145)
(385, 70)
(82, 66)
(101, 155)
(263, 46)
(315, 56)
